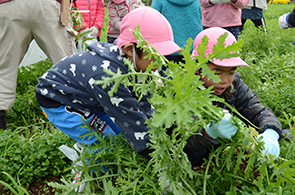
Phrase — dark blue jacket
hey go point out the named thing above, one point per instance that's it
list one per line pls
(71, 82)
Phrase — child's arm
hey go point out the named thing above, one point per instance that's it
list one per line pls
(239, 4)
(200, 141)
(114, 18)
(127, 113)
(248, 104)
(140, 4)
(206, 3)
(84, 24)
(99, 17)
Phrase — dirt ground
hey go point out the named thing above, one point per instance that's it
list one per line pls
(37, 188)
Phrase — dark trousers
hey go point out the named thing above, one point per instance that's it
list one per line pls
(111, 39)
(2, 119)
(257, 23)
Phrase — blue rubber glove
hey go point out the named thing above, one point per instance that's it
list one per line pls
(222, 129)
(271, 144)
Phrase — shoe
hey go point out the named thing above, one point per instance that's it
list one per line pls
(287, 134)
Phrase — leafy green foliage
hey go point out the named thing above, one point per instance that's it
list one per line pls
(230, 169)
(77, 19)
(29, 155)
(19, 188)
(271, 58)
(26, 110)
(234, 167)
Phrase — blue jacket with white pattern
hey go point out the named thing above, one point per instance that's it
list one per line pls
(71, 82)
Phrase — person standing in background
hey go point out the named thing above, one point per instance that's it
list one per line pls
(117, 10)
(20, 23)
(223, 13)
(254, 12)
(92, 12)
(185, 17)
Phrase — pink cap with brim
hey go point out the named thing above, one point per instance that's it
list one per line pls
(154, 27)
(213, 34)
(118, 1)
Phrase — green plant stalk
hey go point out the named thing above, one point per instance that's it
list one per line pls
(19, 188)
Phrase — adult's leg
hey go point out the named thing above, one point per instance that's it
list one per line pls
(15, 38)
(260, 23)
(2, 119)
(57, 41)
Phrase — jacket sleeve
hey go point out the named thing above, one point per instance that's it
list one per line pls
(114, 18)
(291, 18)
(99, 18)
(140, 3)
(248, 105)
(84, 24)
(205, 3)
(200, 141)
(240, 4)
(127, 113)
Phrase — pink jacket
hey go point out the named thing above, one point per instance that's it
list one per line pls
(222, 15)
(96, 15)
(116, 13)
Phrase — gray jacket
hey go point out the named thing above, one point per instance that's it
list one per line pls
(246, 101)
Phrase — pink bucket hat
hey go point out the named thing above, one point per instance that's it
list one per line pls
(154, 27)
(118, 1)
(213, 34)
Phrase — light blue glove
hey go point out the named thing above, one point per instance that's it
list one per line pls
(222, 129)
(271, 144)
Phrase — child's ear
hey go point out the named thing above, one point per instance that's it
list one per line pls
(128, 49)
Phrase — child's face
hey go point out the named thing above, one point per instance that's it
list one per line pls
(142, 63)
(226, 74)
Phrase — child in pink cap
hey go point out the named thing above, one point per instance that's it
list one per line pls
(237, 94)
(67, 92)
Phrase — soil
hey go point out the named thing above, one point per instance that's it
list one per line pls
(39, 187)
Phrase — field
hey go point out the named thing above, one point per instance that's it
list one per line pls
(32, 164)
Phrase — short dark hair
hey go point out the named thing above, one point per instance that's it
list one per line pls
(138, 50)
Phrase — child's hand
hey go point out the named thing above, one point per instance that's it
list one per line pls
(225, 128)
(271, 144)
(85, 32)
(138, 6)
(93, 31)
